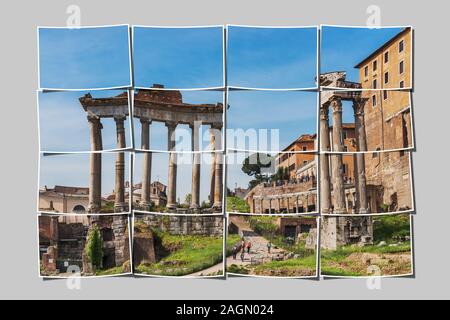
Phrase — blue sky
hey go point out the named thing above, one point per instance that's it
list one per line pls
(64, 126)
(160, 172)
(272, 57)
(158, 130)
(73, 170)
(293, 113)
(84, 58)
(343, 48)
(178, 57)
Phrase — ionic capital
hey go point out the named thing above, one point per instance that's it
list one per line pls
(217, 125)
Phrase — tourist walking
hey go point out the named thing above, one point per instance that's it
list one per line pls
(249, 245)
(235, 251)
(269, 246)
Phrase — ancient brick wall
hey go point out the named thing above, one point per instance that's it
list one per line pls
(185, 225)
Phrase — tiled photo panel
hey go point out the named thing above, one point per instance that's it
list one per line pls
(84, 121)
(190, 246)
(178, 121)
(270, 246)
(272, 121)
(84, 58)
(366, 246)
(366, 183)
(278, 184)
(84, 246)
(369, 120)
(178, 57)
(378, 58)
(178, 183)
(272, 58)
(84, 183)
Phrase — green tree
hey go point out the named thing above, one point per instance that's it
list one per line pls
(253, 166)
(94, 247)
(188, 199)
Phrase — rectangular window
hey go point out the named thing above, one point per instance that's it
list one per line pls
(401, 46)
(374, 84)
(304, 148)
(374, 101)
(402, 84)
(366, 71)
(386, 77)
(385, 95)
(346, 148)
(375, 65)
(401, 67)
(386, 57)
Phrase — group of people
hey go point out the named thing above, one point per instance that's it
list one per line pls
(245, 246)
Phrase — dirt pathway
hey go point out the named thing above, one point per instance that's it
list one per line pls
(258, 250)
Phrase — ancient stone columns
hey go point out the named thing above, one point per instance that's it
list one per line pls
(325, 189)
(196, 158)
(360, 185)
(147, 164)
(119, 203)
(95, 177)
(337, 164)
(218, 163)
(172, 181)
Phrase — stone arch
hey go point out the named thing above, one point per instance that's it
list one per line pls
(79, 209)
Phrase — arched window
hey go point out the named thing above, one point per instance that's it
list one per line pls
(79, 209)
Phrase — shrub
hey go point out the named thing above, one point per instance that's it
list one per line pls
(94, 247)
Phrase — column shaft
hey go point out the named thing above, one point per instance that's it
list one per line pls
(95, 167)
(119, 203)
(325, 187)
(172, 181)
(146, 166)
(337, 164)
(196, 158)
(218, 165)
(358, 107)
(213, 168)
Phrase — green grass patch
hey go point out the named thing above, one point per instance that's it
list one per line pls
(237, 204)
(110, 272)
(184, 255)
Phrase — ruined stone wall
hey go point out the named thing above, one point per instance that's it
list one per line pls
(185, 225)
(341, 230)
(121, 240)
(390, 172)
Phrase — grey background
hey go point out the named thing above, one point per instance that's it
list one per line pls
(19, 156)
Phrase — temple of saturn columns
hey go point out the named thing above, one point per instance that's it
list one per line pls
(333, 100)
(96, 109)
(342, 230)
(169, 108)
(149, 106)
